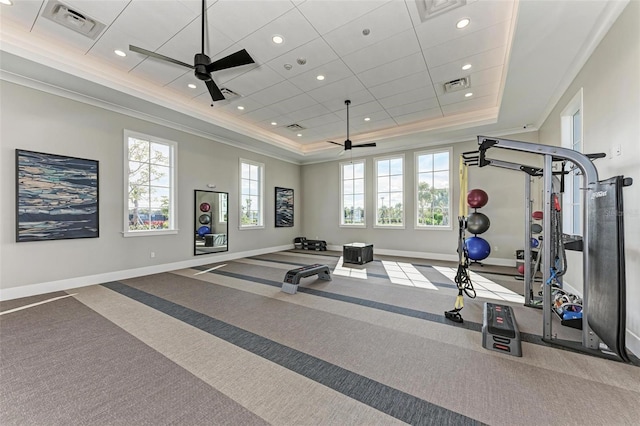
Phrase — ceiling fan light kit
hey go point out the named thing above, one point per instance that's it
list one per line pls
(202, 65)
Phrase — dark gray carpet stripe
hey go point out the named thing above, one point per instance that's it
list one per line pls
(386, 399)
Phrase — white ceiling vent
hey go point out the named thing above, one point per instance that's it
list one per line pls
(429, 8)
(457, 84)
(72, 19)
(229, 94)
(295, 127)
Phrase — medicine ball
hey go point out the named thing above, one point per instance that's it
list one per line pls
(478, 248)
(204, 219)
(477, 198)
(205, 207)
(478, 223)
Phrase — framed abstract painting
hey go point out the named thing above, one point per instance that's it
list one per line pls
(56, 197)
(284, 207)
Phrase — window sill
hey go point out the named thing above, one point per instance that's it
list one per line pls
(433, 228)
(128, 234)
(388, 226)
(248, 228)
(362, 226)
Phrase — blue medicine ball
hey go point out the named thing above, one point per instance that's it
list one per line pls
(478, 248)
(203, 230)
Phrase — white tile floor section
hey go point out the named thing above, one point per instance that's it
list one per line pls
(484, 287)
(406, 274)
(349, 272)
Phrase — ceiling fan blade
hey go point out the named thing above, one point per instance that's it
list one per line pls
(241, 57)
(158, 56)
(335, 143)
(364, 145)
(215, 92)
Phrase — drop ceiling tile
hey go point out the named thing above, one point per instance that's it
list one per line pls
(428, 114)
(329, 15)
(276, 93)
(413, 107)
(358, 100)
(292, 26)
(453, 70)
(349, 37)
(386, 50)
(238, 19)
(320, 120)
(401, 85)
(393, 71)
(180, 85)
(470, 44)
(22, 13)
(470, 105)
(293, 104)
(483, 14)
(335, 131)
(316, 52)
(262, 114)
(342, 89)
(371, 126)
(254, 80)
(477, 90)
(359, 110)
(187, 42)
(418, 94)
(231, 106)
(310, 112)
(158, 72)
(333, 71)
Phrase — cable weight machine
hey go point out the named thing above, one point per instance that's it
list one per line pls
(604, 309)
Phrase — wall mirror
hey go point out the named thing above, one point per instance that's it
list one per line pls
(210, 229)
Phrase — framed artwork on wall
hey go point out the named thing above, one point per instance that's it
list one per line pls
(284, 207)
(56, 197)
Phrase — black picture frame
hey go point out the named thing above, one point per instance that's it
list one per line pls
(284, 207)
(57, 197)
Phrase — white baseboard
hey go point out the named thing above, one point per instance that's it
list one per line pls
(432, 256)
(67, 284)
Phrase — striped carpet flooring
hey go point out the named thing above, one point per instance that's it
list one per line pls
(221, 344)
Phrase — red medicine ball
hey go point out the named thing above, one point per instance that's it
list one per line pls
(477, 198)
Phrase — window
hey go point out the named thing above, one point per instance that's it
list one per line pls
(433, 194)
(390, 192)
(222, 212)
(150, 185)
(251, 194)
(571, 130)
(352, 212)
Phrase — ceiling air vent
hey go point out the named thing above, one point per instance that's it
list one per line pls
(228, 93)
(72, 19)
(295, 127)
(429, 8)
(457, 84)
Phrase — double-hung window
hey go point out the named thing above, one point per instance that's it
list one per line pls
(352, 184)
(390, 192)
(251, 194)
(433, 189)
(571, 134)
(149, 185)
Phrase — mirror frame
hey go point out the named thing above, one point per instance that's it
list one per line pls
(210, 242)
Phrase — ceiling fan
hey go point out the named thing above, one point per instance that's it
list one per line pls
(202, 63)
(347, 143)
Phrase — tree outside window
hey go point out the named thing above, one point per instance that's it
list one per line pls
(433, 189)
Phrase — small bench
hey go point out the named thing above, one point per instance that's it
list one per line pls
(500, 330)
(292, 278)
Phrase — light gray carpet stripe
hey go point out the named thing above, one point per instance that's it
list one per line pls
(384, 276)
(386, 399)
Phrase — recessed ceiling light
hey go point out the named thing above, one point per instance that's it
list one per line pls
(273, 123)
(466, 66)
(463, 23)
(367, 119)
(299, 134)
(7, 2)
(320, 77)
(117, 51)
(240, 107)
(366, 32)
(191, 86)
(277, 39)
(467, 95)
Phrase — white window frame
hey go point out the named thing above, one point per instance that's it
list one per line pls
(572, 221)
(364, 194)
(376, 224)
(261, 172)
(416, 172)
(173, 186)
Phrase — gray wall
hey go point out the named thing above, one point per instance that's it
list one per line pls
(38, 121)
(321, 211)
(611, 118)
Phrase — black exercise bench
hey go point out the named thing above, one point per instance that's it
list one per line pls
(292, 279)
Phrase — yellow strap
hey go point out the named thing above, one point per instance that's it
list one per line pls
(463, 208)
(459, 302)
